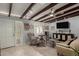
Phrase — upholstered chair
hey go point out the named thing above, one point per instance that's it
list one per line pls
(32, 39)
(63, 49)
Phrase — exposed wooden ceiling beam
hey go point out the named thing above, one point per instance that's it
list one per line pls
(25, 12)
(64, 7)
(42, 17)
(61, 8)
(72, 9)
(63, 15)
(46, 8)
(69, 10)
(66, 16)
(64, 10)
(10, 9)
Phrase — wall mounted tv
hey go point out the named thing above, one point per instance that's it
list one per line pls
(63, 25)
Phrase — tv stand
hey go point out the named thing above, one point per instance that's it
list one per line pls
(55, 36)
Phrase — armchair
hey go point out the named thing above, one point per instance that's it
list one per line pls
(32, 39)
(63, 49)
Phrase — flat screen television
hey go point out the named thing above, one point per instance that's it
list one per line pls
(63, 25)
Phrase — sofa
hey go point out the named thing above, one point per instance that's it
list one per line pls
(63, 48)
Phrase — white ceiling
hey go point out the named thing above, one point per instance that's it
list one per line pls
(48, 11)
(4, 8)
(35, 9)
(19, 8)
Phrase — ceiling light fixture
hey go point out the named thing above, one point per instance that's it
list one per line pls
(52, 12)
(51, 15)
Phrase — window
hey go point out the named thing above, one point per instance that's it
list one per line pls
(38, 30)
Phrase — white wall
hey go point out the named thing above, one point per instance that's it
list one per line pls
(16, 22)
(33, 24)
(7, 31)
(19, 31)
(38, 24)
(74, 25)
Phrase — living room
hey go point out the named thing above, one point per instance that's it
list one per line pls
(46, 29)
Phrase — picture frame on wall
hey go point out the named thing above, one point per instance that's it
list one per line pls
(26, 26)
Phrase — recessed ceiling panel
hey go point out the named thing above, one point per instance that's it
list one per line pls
(35, 9)
(19, 8)
(49, 10)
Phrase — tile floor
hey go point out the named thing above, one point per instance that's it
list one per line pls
(29, 51)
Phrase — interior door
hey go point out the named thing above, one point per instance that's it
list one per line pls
(18, 33)
(7, 33)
